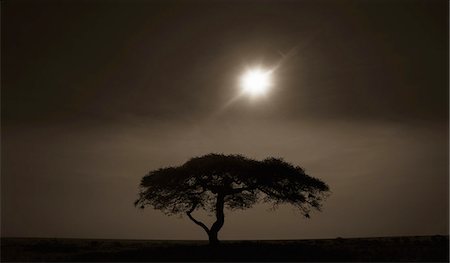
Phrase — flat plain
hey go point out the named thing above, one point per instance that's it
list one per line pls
(388, 249)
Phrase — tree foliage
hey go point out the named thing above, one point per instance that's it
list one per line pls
(216, 181)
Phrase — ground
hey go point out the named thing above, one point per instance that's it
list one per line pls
(421, 248)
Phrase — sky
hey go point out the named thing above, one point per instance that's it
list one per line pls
(95, 94)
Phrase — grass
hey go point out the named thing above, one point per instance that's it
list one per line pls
(419, 248)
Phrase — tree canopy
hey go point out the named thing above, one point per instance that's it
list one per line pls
(217, 181)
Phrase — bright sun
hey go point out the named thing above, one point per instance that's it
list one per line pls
(256, 82)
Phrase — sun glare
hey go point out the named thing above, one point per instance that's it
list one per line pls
(256, 82)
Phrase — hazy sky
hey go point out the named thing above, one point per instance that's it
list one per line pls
(97, 93)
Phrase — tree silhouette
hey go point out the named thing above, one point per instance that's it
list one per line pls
(216, 181)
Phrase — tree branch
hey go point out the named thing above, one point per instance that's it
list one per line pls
(241, 189)
(272, 194)
(188, 213)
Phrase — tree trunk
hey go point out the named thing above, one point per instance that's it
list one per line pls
(213, 240)
(220, 219)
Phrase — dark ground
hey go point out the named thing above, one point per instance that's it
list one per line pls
(424, 248)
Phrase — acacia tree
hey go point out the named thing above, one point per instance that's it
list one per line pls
(216, 181)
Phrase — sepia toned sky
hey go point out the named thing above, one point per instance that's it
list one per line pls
(97, 93)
